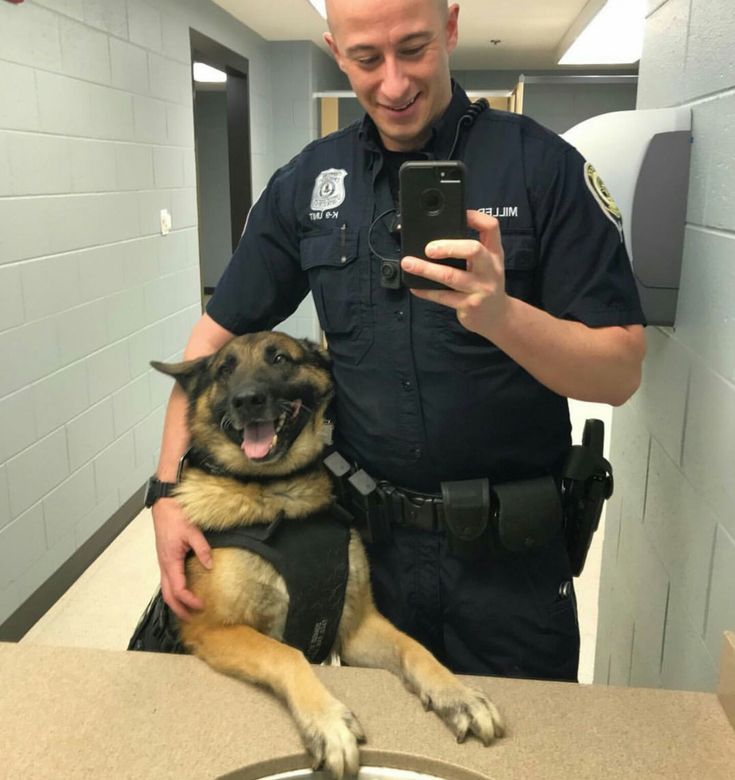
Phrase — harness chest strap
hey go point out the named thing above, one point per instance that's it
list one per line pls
(311, 554)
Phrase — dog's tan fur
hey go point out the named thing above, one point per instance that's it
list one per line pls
(246, 601)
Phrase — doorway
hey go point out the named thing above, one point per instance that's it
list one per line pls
(222, 150)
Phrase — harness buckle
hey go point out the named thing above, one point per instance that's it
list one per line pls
(415, 510)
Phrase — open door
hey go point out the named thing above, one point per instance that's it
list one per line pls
(222, 147)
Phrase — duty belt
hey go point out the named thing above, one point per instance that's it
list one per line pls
(480, 519)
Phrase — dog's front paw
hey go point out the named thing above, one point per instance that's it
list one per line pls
(331, 736)
(465, 711)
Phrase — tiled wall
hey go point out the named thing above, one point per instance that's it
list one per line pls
(668, 576)
(96, 137)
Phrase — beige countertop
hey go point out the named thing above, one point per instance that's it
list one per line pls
(68, 713)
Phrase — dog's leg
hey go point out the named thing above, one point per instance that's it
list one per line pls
(378, 643)
(329, 730)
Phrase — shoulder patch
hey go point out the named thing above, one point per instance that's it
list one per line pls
(603, 197)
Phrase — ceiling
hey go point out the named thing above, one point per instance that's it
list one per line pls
(529, 30)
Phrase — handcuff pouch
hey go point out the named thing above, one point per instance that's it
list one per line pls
(528, 513)
(467, 510)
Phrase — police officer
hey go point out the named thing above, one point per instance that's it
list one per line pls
(437, 385)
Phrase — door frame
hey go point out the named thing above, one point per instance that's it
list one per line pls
(208, 51)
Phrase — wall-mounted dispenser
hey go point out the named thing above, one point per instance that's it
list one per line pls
(643, 158)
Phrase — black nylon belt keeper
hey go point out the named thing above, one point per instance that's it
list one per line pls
(357, 493)
(371, 513)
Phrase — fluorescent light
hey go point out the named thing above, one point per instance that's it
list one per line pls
(208, 74)
(613, 36)
(320, 7)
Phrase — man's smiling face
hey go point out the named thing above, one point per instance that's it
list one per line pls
(396, 56)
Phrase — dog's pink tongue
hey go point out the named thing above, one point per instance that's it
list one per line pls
(257, 438)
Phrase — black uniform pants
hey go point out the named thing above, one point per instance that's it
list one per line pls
(514, 616)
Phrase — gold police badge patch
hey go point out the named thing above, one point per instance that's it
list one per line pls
(603, 197)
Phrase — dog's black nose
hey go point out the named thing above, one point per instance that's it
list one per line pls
(252, 399)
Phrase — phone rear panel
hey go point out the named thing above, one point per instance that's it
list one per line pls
(432, 206)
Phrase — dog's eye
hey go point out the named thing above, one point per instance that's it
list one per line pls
(281, 357)
(225, 369)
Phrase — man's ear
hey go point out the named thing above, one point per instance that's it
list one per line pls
(329, 40)
(452, 28)
(186, 373)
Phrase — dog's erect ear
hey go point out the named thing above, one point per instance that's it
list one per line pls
(186, 373)
(316, 354)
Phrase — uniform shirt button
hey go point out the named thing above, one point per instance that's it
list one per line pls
(400, 316)
(417, 452)
(406, 384)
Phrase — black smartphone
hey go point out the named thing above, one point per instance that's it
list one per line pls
(431, 198)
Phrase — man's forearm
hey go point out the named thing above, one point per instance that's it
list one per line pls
(175, 436)
(588, 364)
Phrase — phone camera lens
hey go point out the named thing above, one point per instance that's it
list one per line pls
(432, 202)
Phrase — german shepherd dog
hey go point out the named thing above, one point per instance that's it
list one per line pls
(257, 424)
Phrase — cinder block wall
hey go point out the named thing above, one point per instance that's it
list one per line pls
(299, 69)
(668, 577)
(96, 137)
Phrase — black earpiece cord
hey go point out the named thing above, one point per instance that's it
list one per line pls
(465, 122)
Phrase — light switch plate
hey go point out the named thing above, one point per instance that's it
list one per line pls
(165, 222)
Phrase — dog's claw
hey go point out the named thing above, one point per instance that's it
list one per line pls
(465, 711)
(332, 734)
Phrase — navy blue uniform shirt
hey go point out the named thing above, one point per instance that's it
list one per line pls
(419, 398)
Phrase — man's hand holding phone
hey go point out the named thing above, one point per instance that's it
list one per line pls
(477, 293)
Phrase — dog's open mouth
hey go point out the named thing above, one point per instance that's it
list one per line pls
(260, 438)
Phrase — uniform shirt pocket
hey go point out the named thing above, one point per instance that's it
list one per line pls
(340, 285)
(521, 264)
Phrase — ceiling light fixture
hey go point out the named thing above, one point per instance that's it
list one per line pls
(320, 7)
(208, 75)
(605, 33)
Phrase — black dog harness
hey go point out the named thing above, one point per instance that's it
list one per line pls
(311, 554)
